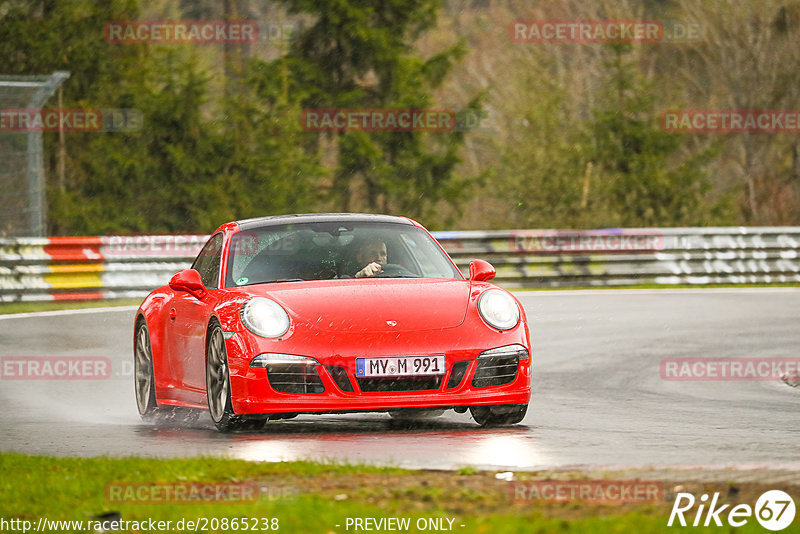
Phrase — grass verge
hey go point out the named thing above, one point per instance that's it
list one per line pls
(308, 497)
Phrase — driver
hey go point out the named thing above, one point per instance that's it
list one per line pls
(372, 254)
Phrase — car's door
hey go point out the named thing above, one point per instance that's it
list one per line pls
(189, 317)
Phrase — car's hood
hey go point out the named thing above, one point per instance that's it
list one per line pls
(380, 305)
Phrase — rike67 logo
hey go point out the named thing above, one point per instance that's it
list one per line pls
(774, 510)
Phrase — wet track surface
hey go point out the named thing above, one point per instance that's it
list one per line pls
(598, 401)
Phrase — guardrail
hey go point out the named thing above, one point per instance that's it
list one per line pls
(90, 268)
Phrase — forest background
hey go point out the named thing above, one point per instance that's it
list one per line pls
(550, 134)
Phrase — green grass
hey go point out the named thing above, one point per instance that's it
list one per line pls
(28, 307)
(305, 497)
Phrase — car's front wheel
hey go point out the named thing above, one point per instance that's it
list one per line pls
(500, 415)
(218, 386)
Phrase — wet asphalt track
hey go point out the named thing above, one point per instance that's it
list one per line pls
(598, 401)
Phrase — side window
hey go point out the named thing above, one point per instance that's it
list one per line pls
(209, 260)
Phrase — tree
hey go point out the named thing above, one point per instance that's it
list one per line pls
(640, 169)
(609, 165)
(359, 55)
(200, 159)
(747, 61)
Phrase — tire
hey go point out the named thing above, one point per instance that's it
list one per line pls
(218, 387)
(500, 415)
(144, 377)
(144, 385)
(416, 414)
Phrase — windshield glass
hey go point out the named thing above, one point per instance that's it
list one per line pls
(322, 251)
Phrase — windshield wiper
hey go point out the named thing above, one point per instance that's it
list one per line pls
(280, 280)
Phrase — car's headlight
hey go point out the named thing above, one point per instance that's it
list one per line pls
(265, 317)
(498, 309)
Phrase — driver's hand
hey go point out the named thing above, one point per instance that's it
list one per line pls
(370, 270)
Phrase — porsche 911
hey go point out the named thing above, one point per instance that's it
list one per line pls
(331, 313)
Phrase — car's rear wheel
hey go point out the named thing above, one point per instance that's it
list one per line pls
(144, 376)
(218, 386)
(500, 415)
(143, 373)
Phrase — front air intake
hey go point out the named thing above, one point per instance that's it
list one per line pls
(457, 374)
(495, 371)
(339, 375)
(372, 385)
(294, 378)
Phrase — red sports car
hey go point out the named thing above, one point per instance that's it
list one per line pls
(331, 313)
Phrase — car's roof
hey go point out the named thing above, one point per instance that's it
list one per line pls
(259, 222)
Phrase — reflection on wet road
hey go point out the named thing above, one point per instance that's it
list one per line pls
(372, 439)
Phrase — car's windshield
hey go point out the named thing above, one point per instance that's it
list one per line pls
(321, 251)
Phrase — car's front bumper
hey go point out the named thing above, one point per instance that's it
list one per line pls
(253, 391)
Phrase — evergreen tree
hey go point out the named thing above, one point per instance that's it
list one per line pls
(359, 54)
(642, 176)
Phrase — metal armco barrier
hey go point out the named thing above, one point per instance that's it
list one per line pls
(90, 268)
(668, 256)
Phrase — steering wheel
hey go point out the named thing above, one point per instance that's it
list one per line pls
(390, 270)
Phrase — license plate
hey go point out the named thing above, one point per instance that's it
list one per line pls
(400, 366)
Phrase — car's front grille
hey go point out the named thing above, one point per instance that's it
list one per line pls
(457, 374)
(294, 378)
(371, 385)
(339, 375)
(495, 371)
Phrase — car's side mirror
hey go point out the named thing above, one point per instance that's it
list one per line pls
(188, 280)
(481, 271)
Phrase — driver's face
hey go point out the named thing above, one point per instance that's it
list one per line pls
(374, 251)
